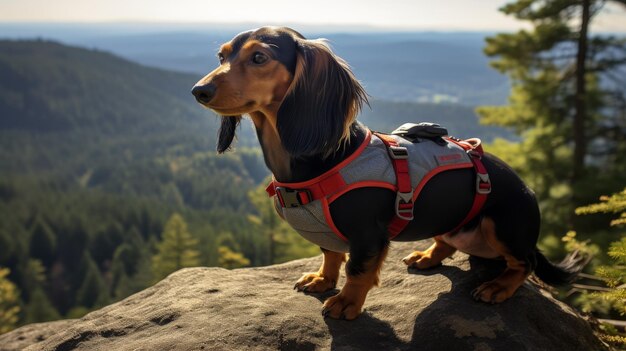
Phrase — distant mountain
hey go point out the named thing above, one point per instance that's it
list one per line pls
(397, 66)
(72, 107)
(417, 67)
(72, 115)
(52, 87)
(420, 69)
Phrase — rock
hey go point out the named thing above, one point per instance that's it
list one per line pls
(257, 309)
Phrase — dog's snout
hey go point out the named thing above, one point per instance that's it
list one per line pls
(204, 93)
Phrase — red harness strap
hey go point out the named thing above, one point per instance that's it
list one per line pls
(474, 149)
(327, 184)
(404, 195)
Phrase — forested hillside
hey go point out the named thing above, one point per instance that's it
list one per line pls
(106, 164)
(96, 154)
(430, 66)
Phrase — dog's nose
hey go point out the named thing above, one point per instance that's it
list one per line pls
(204, 93)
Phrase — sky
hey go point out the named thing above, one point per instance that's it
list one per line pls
(394, 14)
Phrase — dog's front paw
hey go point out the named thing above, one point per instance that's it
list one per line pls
(420, 260)
(493, 292)
(315, 283)
(342, 306)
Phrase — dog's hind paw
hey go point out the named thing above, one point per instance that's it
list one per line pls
(315, 283)
(420, 260)
(493, 292)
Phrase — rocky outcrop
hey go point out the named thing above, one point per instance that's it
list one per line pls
(257, 309)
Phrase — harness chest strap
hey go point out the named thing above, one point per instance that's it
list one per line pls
(329, 183)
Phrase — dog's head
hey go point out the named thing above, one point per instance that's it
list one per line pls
(310, 95)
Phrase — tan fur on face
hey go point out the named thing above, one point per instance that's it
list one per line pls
(282, 104)
(243, 87)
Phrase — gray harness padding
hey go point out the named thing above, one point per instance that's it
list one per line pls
(373, 164)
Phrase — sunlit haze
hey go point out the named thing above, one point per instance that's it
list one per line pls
(402, 14)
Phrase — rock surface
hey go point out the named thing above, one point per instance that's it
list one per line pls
(256, 309)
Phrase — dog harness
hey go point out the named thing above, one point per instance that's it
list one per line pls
(381, 161)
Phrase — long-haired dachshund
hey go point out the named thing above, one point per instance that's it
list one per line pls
(303, 101)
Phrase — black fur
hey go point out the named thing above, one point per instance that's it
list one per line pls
(558, 274)
(226, 133)
(282, 43)
(312, 117)
(307, 167)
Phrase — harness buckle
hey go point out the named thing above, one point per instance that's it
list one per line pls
(292, 197)
(398, 152)
(483, 183)
(404, 205)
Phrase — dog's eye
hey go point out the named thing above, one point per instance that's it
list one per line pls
(259, 58)
(220, 57)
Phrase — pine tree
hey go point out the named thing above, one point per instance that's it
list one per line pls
(105, 241)
(32, 276)
(9, 302)
(7, 245)
(231, 259)
(566, 104)
(92, 291)
(229, 252)
(178, 249)
(615, 274)
(43, 243)
(39, 308)
(130, 268)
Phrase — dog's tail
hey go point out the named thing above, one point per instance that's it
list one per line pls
(562, 273)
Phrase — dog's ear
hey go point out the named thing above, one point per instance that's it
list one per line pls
(227, 132)
(320, 105)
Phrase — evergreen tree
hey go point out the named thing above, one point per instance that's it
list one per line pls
(614, 274)
(565, 103)
(7, 245)
(130, 268)
(229, 252)
(72, 241)
(32, 276)
(9, 302)
(231, 259)
(43, 243)
(105, 242)
(178, 249)
(93, 291)
(39, 308)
